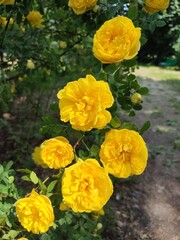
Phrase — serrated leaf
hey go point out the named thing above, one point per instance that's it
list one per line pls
(145, 127)
(34, 177)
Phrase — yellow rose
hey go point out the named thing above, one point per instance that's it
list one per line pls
(81, 6)
(30, 65)
(4, 21)
(86, 186)
(7, 2)
(123, 153)
(35, 19)
(116, 40)
(35, 213)
(36, 156)
(56, 152)
(136, 98)
(153, 6)
(84, 102)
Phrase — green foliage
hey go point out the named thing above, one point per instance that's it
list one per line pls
(28, 94)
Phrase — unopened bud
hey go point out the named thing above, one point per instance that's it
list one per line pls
(136, 98)
(30, 64)
(62, 44)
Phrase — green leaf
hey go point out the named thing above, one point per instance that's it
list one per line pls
(42, 186)
(34, 177)
(51, 186)
(26, 178)
(12, 234)
(110, 69)
(130, 126)
(118, 75)
(132, 114)
(160, 23)
(143, 90)
(137, 107)
(11, 179)
(129, 63)
(94, 150)
(131, 77)
(8, 166)
(132, 12)
(115, 122)
(145, 127)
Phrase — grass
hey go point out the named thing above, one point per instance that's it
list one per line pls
(158, 73)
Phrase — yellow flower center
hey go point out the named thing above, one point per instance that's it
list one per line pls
(124, 151)
(85, 104)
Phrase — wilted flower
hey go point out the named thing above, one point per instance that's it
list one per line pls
(153, 6)
(123, 153)
(35, 18)
(81, 6)
(86, 186)
(35, 213)
(116, 40)
(84, 102)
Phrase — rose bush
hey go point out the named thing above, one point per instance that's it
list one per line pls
(86, 186)
(35, 212)
(123, 153)
(116, 40)
(84, 102)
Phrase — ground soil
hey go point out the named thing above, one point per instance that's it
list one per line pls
(148, 207)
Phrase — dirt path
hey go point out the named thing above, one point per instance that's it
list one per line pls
(150, 207)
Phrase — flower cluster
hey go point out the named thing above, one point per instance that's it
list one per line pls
(81, 6)
(153, 6)
(84, 103)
